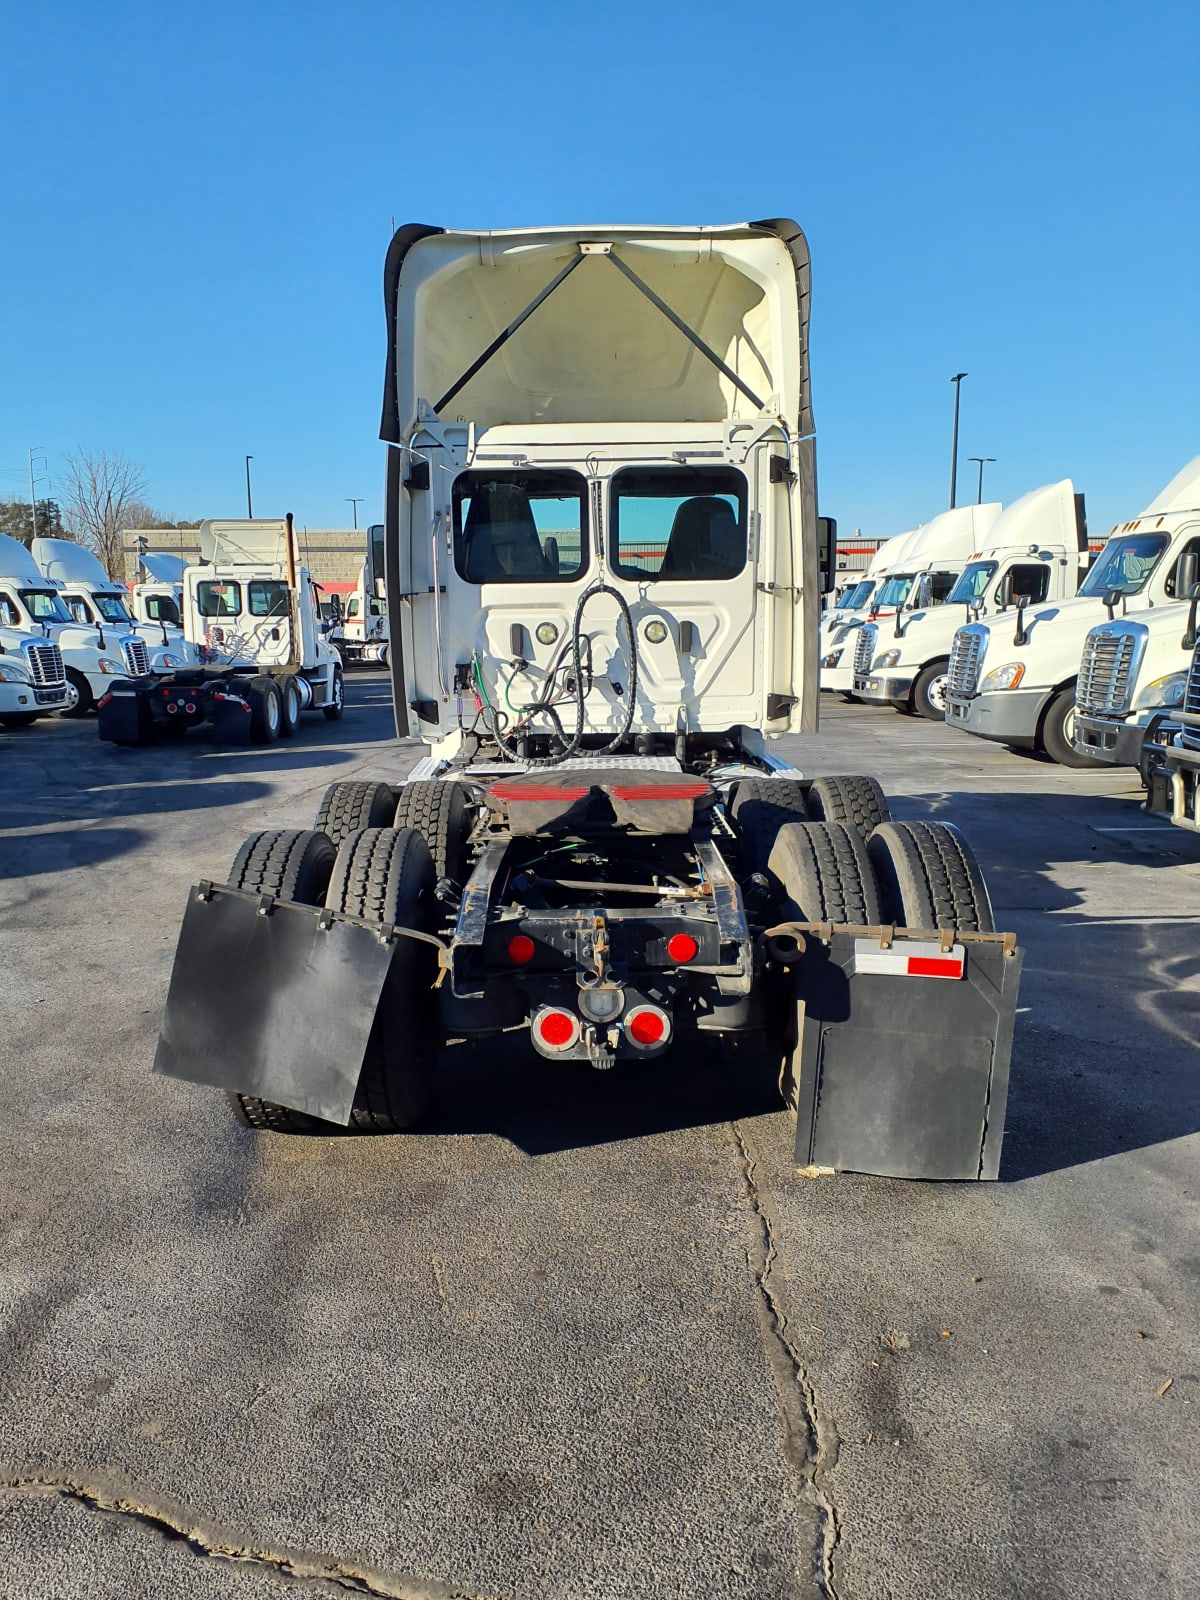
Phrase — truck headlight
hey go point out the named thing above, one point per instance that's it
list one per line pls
(1005, 677)
(11, 674)
(1166, 691)
(110, 669)
(889, 658)
(832, 659)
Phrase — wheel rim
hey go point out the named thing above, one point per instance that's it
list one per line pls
(293, 701)
(1068, 727)
(338, 692)
(72, 701)
(937, 692)
(273, 712)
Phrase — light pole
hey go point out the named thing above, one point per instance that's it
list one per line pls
(249, 503)
(35, 455)
(355, 502)
(981, 460)
(956, 380)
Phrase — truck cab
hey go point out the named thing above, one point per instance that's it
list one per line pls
(835, 646)
(33, 679)
(1036, 549)
(1013, 679)
(157, 597)
(96, 600)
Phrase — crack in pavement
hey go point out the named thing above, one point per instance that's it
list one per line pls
(812, 1442)
(212, 1543)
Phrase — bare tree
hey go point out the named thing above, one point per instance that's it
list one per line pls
(103, 488)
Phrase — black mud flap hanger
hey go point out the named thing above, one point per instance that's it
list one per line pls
(274, 999)
(904, 1044)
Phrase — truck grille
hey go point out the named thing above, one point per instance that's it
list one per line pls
(45, 666)
(136, 658)
(1105, 686)
(966, 654)
(864, 648)
(1190, 734)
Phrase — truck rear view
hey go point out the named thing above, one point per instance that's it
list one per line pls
(601, 548)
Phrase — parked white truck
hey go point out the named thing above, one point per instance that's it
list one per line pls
(92, 655)
(1037, 549)
(835, 645)
(603, 578)
(1014, 679)
(157, 597)
(361, 635)
(33, 679)
(252, 616)
(1171, 754)
(1133, 678)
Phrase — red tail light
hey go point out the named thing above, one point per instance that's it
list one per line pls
(647, 1026)
(555, 1029)
(682, 947)
(520, 949)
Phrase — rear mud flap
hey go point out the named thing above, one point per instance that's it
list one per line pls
(272, 999)
(124, 718)
(897, 1072)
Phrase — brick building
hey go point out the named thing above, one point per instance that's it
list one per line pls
(332, 555)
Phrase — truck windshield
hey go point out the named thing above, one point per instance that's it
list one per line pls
(112, 608)
(679, 522)
(44, 605)
(519, 527)
(972, 581)
(1126, 564)
(894, 591)
(853, 598)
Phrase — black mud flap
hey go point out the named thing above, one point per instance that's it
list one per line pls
(272, 999)
(124, 717)
(904, 1050)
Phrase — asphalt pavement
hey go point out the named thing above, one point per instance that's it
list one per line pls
(590, 1336)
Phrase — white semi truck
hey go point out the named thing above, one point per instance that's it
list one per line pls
(361, 635)
(1013, 679)
(33, 679)
(158, 595)
(251, 616)
(93, 655)
(1133, 679)
(835, 645)
(1171, 753)
(603, 580)
(1036, 550)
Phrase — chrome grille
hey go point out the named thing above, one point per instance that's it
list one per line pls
(965, 656)
(45, 665)
(864, 648)
(1105, 686)
(136, 658)
(1190, 735)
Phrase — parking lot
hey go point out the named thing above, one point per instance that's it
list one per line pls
(590, 1335)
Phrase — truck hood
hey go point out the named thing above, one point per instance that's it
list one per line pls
(606, 348)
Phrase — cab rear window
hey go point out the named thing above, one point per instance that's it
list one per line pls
(218, 599)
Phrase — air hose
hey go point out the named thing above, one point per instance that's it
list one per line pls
(571, 745)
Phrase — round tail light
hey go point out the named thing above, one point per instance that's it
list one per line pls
(647, 1026)
(555, 1030)
(520, 949)
(682, 947)
(172, 709)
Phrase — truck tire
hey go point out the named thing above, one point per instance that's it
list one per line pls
(1056, 732)
(386, 875)
(333, 711)
(294, 865)
(289, 705)
(266, 711)
(929, 691)
(438, 811)
(929, 877)
(79, 695)
(347, 807)
(759, 807)
(822, 873)
(858, 802)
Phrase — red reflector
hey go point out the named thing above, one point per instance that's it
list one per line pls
(189, 708)
(646, 1027)
(514, 789)
(557, 1027)
(682, 947)
(930, 967)
(690, 790)
(520, 949)
(172, 709)
(103, 701)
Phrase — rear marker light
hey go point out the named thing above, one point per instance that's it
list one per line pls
(647, 1026)
(520, 949)
(556, 1030)
(682, 947)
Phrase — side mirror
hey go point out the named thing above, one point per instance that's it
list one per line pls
(1004, 594)
(826, 551)
(1187, 569)
(1112, 600)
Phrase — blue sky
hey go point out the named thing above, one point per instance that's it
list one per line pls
(198, 201)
